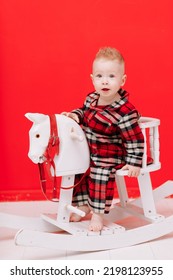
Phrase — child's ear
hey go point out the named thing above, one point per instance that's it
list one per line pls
(91, 75)
(124, 78)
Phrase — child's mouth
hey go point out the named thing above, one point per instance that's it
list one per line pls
(105, 89)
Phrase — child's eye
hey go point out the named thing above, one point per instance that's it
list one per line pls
(112, 76)
(98, 76)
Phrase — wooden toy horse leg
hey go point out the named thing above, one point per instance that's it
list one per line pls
(61, 220)
(122, 190)
(63, 214)
(65, 199)
(147, 198)
(146, 210)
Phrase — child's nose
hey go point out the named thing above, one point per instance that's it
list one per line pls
(105, 81)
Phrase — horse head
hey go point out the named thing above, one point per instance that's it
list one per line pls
(38, 136)
(73, 157)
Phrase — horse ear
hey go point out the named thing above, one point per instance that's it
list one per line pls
(36, 117)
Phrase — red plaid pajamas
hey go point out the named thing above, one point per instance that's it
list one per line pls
(115, 139)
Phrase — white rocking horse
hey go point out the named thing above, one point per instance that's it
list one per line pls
(64, 149)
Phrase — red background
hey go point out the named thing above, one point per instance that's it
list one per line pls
(47, 48)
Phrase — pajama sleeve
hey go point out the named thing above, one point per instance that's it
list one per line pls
(80, 111)
(133, 139)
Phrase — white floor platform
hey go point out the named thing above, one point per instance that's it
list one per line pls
(160, 249)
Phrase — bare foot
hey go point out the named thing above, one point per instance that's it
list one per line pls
(75, 217)
(96, 223)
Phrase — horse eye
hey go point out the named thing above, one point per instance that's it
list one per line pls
(37, 135)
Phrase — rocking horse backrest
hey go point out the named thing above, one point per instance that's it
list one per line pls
(150, 130)
(73, 157)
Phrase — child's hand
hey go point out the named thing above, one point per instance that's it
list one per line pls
(71, 115)
(133, 171)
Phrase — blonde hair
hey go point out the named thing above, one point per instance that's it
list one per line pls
(110, 54)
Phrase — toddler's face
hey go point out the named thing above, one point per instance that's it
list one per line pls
(108, 76)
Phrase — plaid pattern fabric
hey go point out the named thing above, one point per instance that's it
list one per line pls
(112, 131)
(96, 190)
(115, 139)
